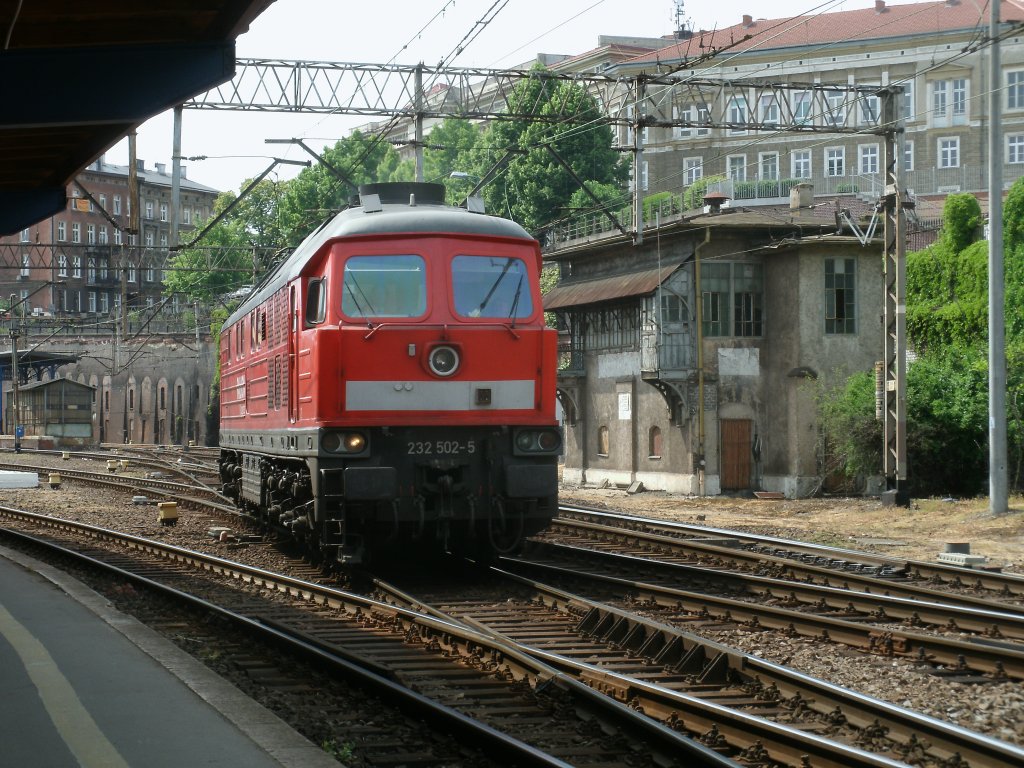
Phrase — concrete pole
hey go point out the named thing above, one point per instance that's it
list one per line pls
(176, 176)
(998, 502)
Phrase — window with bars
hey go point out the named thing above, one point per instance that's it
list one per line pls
(840, 296)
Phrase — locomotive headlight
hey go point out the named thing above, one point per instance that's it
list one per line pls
(343, 442)
(443, 361)
(524, 441)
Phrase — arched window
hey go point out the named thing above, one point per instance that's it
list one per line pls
(654, 443)
(603, 444)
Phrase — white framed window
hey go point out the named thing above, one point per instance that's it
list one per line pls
(150, 275)
(24, 265)
(90, 234)
(835, 161)
(149, 209)
(92, 301)
(835, 109)
(149, 301)
(868, 158)
(131, 273)
(186, 215)
(26, 234)
(693, 169)
(869, 110)
(118, 237)
(1015, 148)
(940, 100)
(643, 182)
(103, 269)
(737, 114)
(104, 302)
(908, 155)
(103, 202)
(768, 110)
(801, 164)
(76, 232)
(768, 166)
(90, 273)
(149, 238)
(62, 265)
(680, 131)
(959, 100)
(802, 102)
(703, 117)
(908, 100)
(117, 205)
(163, 211)
(737, 165)
(24, 294)
(103, 239)
(76, 266)
(62, 231)
(1015, 89)
(949, 152)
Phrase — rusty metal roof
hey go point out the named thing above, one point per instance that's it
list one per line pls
(607, 288)
(80, 76)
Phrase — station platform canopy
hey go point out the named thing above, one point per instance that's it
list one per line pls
(78, 77)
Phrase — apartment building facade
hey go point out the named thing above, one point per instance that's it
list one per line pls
(84, 261)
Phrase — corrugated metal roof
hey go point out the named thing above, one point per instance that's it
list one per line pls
(607, 288)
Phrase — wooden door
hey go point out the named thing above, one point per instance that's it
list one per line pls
(735, 454)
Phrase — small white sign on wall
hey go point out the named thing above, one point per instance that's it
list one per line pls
(625, 406)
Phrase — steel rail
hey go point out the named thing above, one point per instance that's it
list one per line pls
(988, 658)
(461, 641)
(794, 569)
(661, 644)
(1008, 584)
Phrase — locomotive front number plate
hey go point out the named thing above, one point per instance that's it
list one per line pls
(441, 447)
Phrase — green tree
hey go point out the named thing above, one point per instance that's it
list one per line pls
(535, 189)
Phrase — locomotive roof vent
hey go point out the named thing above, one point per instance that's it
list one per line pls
(404, 192)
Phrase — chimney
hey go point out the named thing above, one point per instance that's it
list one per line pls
(183, 170)
(140, 165)
(714, 201)
(880, 6)
(161, 168)
(801, 196)
(748, 20)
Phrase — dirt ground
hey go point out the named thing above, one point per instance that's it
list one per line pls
(915, 533)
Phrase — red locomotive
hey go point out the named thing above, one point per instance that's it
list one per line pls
(392, 384)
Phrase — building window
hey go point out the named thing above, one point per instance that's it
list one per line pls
(654, 443)
(26, 235)
(940, 99)
(117, 205)
(835, 161)
(62, 231)
(737, 167)
(802, 107)
(131, 399)
(186, 215)
(76, 266)
(62, 265)
(149, 209)
(149, 238)
(868, 158)
(693, 169)
(768, 107)
(24, 265)
(869, 110)
(949, 152)
(103, 269)
(840, 296)
(768, 165)
(103, 235)
(104, 302)
(703, 118)
(908, 100)
(908, 155)
(643, 177)
(1015, 90)
(738, 114)
(92, 301)
(91, 271)
(131, 273)
(680, 131)
(103, 202)
(163, 211)
(1015, 148)
(835, 114)
(76, 232)
(733, 299)
(90, 234)
(801, 160)
(118, 238)
(603, 442)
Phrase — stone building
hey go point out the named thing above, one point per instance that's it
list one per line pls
(691, 363)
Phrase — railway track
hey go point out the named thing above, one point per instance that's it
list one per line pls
(488, 691)
(670, 674)
(724, 550)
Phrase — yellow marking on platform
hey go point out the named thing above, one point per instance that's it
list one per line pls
(73, 722)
